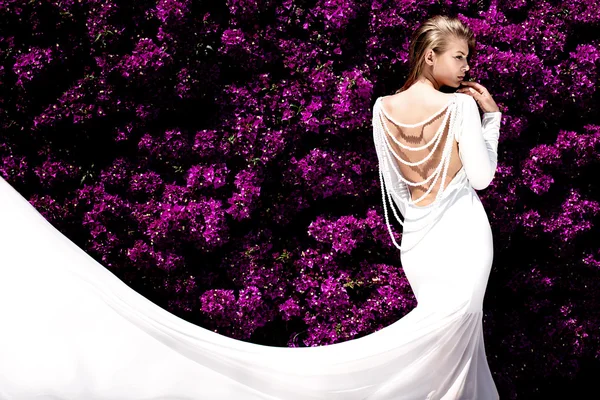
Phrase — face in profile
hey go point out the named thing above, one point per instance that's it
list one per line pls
(450, 67)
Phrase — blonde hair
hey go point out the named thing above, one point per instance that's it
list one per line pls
(435, 33)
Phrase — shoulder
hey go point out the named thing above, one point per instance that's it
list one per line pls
(465, 99)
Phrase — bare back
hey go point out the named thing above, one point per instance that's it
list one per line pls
(412, 108)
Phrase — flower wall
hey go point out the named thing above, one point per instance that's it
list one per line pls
(217, 156)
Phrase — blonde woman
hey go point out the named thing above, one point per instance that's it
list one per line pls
(73, 330)
(434, 152)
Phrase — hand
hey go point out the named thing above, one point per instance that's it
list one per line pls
(481, 95)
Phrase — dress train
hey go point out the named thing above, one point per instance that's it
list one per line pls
(72, 330)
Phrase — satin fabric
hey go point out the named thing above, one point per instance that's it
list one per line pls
(72, 330)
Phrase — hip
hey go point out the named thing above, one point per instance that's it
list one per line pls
(461, 222)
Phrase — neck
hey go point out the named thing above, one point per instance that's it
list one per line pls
(425, 81)
(423, 86)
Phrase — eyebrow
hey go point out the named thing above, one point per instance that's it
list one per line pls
(461, 52)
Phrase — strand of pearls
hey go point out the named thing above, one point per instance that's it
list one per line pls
(436, 211)
(418, 123)
(436, 136)
(436, 173)
(437, 142)
(383, 147)
(385, 212)
(378, 110)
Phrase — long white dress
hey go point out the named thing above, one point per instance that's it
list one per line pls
(70, 329)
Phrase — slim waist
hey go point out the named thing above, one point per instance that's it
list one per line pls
(458, 183)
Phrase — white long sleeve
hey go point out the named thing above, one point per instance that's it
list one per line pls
(478, 143)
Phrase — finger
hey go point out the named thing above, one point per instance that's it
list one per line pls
(480, 88)
(473, 93)
(468, 90)
(467, 85)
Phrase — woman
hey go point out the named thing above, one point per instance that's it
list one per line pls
(73, 330)
(434, 151)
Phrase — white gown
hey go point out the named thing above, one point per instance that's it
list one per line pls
(70, 329)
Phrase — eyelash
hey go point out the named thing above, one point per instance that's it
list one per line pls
(458, 56)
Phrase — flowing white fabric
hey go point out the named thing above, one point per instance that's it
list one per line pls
(72, 330)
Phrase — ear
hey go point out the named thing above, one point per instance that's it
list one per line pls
(429, 56)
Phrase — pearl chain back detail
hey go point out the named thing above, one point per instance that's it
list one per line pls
(381, 132)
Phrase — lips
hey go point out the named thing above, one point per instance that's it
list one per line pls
(461, 77)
